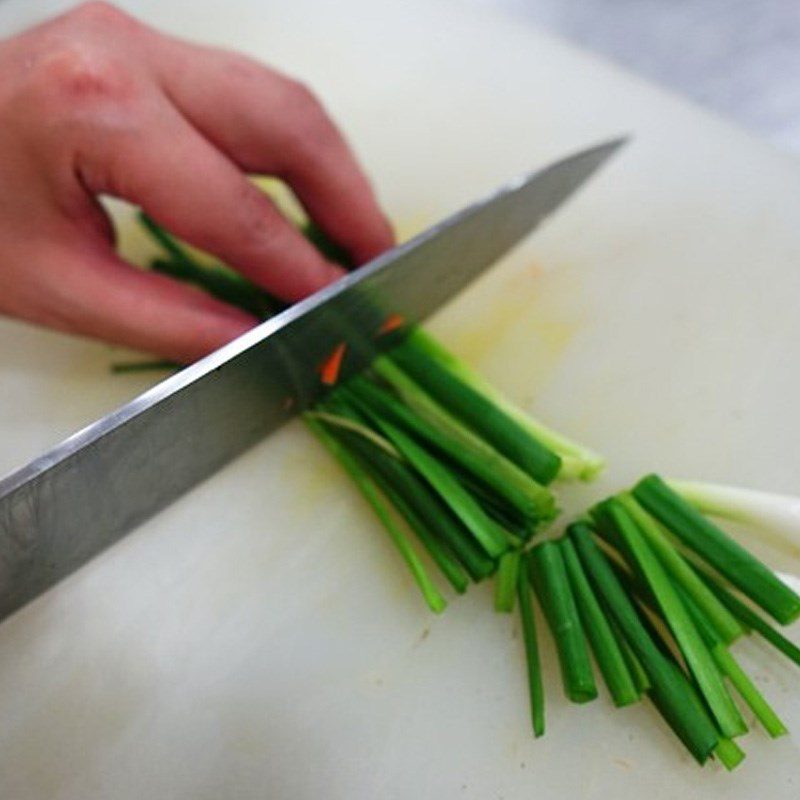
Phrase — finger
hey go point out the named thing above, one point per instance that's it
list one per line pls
(274, 125)
(188, 186)
(95, 294)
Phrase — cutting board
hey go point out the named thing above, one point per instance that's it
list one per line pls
(260, 638)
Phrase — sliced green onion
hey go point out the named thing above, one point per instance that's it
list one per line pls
(369, 491)
(479, 413)
(680, 572)
(640, 679)
(417, 494)
(730, 667)
(739, 566)
(439, 553)
(729, 753)
(552, 587)
(348, 423)
(779, 514)
(607, 651)
(680, 623)
(577, 461)
(121, 367)
(748, 691)
(464, 506)
(752, 620)
(505, 582)
(534, 667)
(670, 690)
(532, 500)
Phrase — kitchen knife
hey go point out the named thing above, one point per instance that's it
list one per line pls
(69, 504)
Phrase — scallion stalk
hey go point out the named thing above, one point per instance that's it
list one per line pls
(534, 667)
(669, 688)
(577, 461)
(778, 514)
(606, 649)
(415, 493)
(549, 577)
(681, 573)
(730, 667)
(481, 414)
(533, 502)
(369, 491)
(488, 534)
(505, 581)
(752, 619)
(679, 621)
(698, 533)
(729, 753)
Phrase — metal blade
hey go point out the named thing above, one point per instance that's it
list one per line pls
(66, 506)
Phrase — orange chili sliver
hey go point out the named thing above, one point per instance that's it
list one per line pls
(391, 323)
(332, 366)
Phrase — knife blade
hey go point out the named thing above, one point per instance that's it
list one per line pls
(86, 493)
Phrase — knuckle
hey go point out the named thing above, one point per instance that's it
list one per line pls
(81, 76)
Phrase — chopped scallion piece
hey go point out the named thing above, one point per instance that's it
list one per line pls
(534, 667)
(505, 585)
(729, 558)
(549, 577)
(605, 646)
(370, 492)
(679, 621)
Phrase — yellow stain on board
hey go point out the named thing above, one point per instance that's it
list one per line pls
(518, 326)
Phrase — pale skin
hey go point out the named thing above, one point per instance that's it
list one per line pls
(95, 102)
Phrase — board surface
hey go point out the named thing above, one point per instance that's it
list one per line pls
(260, 638)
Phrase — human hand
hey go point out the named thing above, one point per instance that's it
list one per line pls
(95, 102)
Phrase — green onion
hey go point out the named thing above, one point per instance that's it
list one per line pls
(680, 623)
(415, 493)
(143, 366)
(682, 573)
(729, 753)
(505, 582)
(555, 596)
(739, 566)
(350, 422)
(669, 688)
(729, 667)
(534, 667)
(577, 461)
(326, 245)
(640, 679)
(369, 491)
(751, 619)
(219, 281)
(533, 502)
(748, 691)
(607, 651)
(464, 506)
(481, 414)
(223, 284)
(438, 552)
(778, 514)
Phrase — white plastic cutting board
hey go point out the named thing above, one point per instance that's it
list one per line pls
(260, 639)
